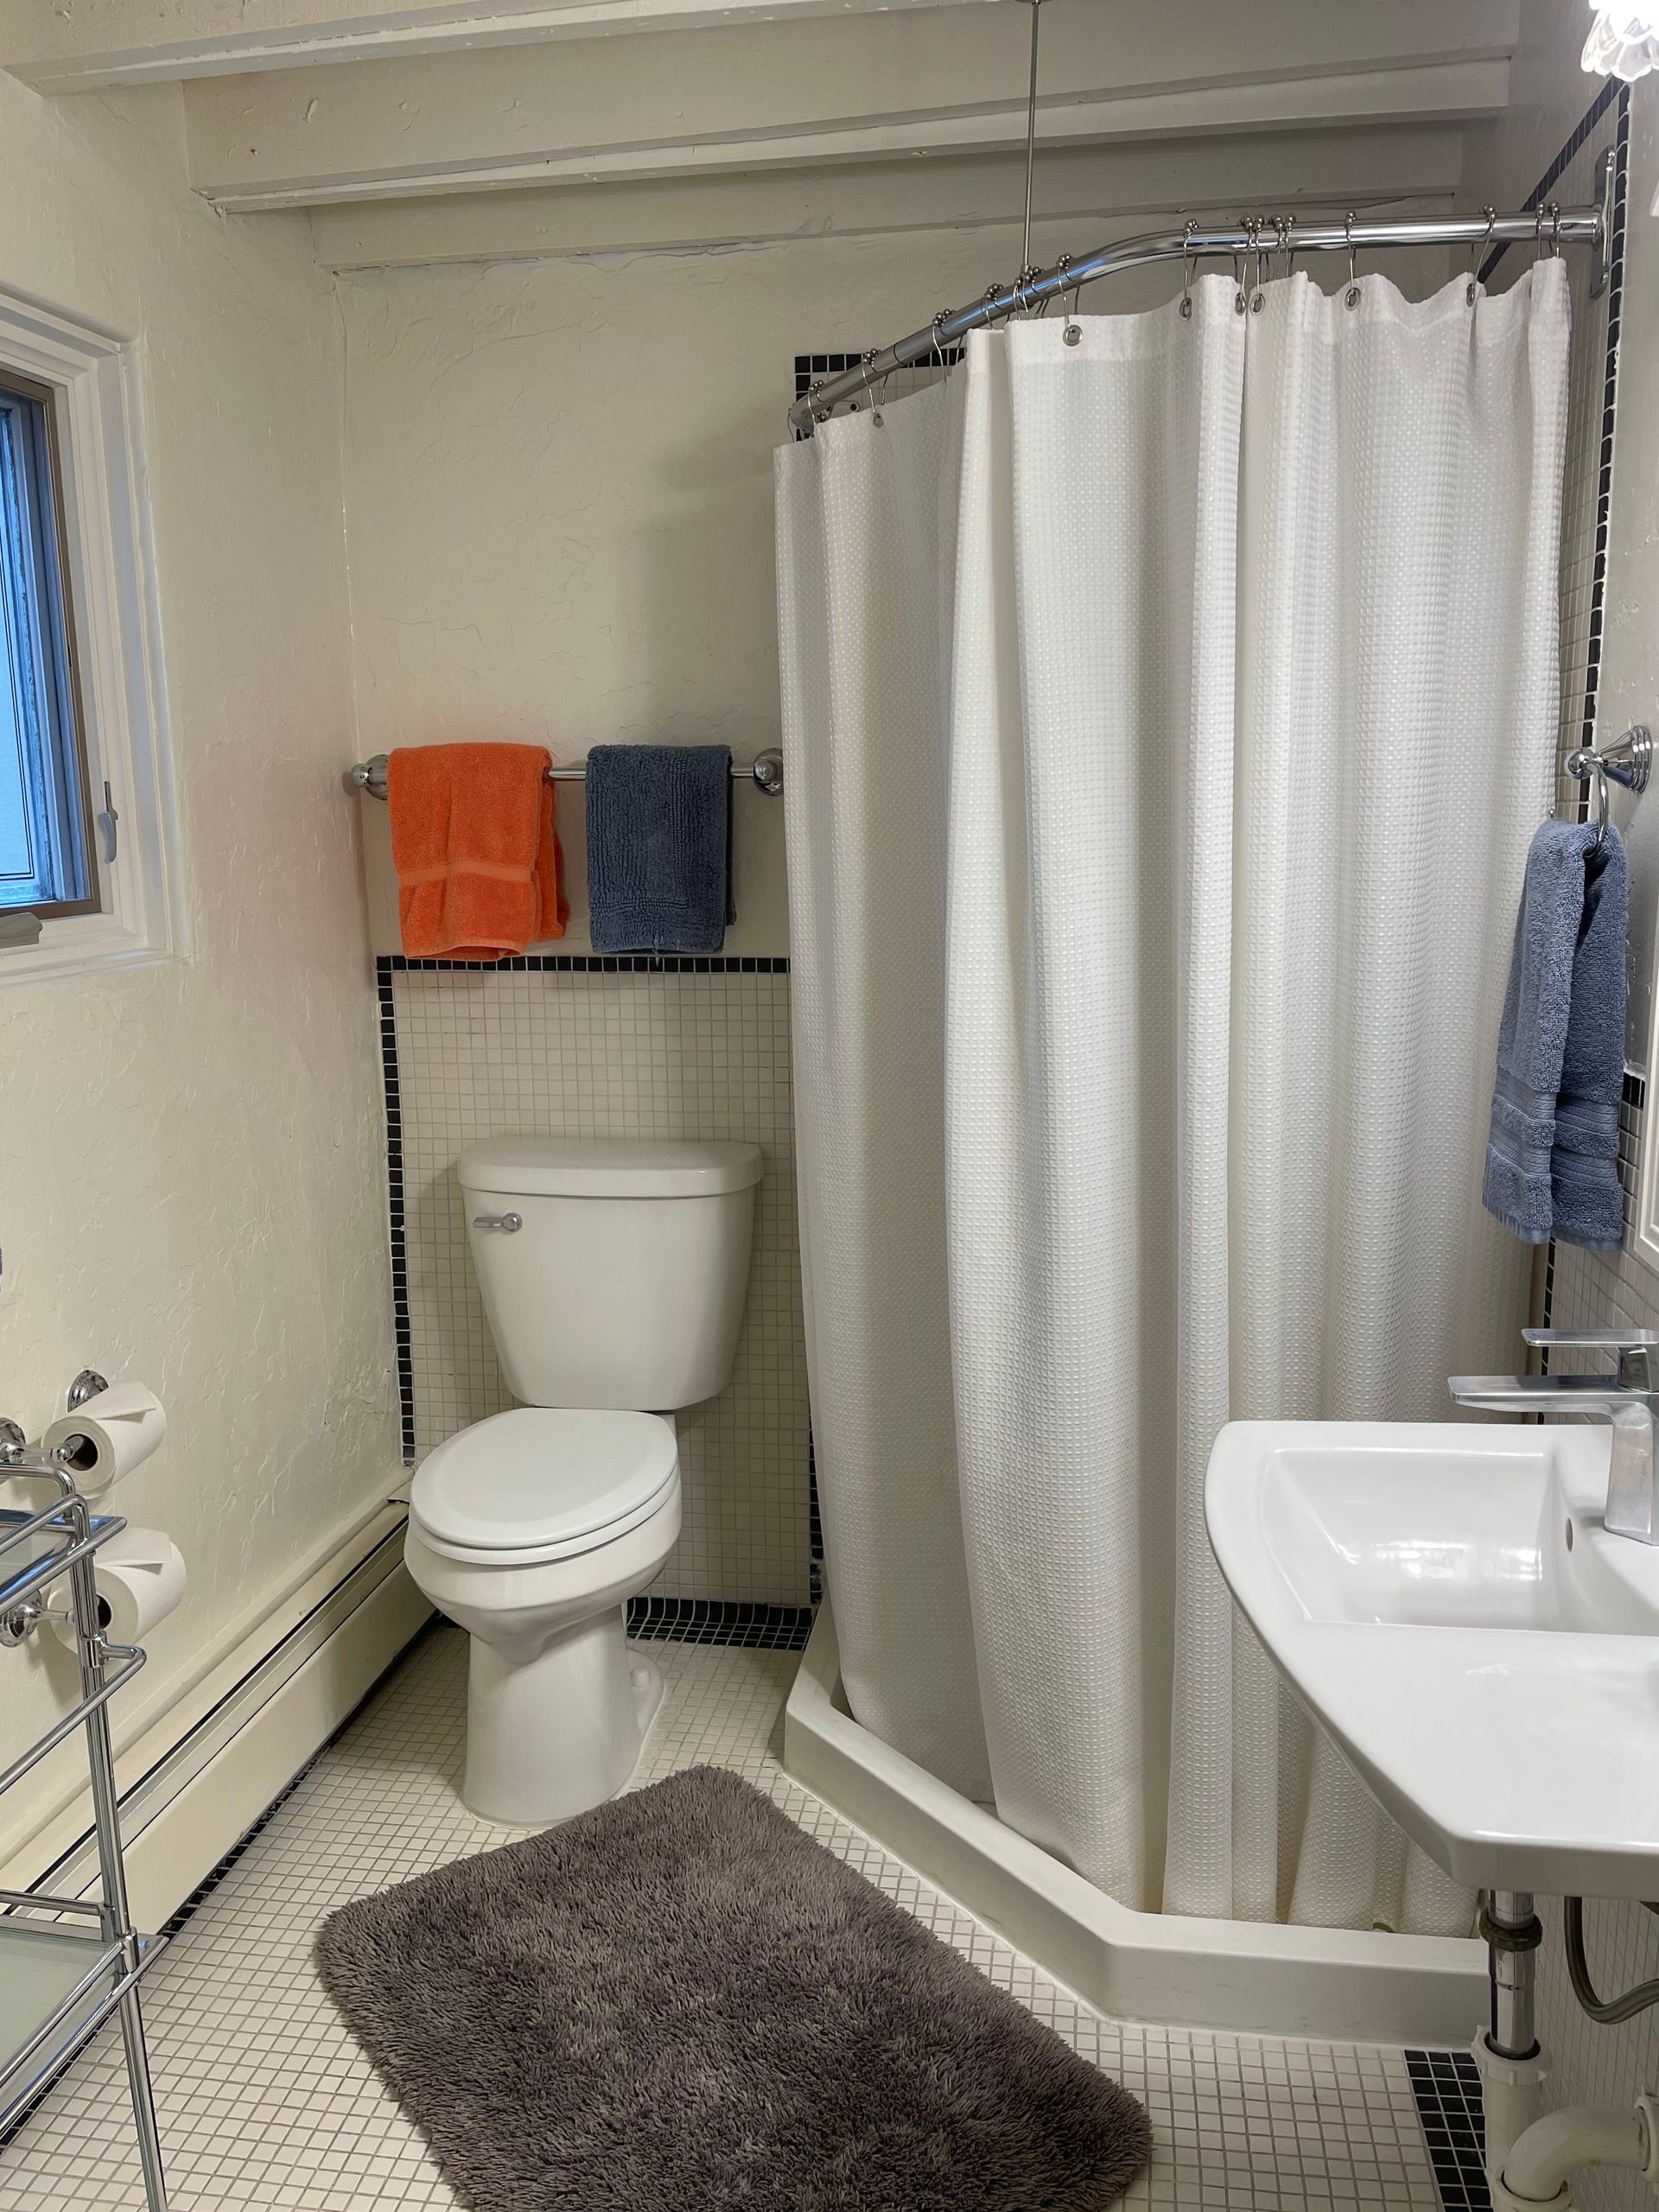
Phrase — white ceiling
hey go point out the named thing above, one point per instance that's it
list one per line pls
(566, 125)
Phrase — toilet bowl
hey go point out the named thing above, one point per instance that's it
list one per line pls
(613, 1276)
(531, 1530)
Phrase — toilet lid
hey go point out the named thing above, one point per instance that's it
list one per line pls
(542, 1475)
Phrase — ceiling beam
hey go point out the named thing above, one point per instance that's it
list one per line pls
(871, 87)
(1142, 184)
(97, 44)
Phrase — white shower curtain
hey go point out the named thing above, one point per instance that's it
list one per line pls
(1167, 716)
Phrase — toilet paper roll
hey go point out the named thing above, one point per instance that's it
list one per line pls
(110, 1435)
(140, 1576)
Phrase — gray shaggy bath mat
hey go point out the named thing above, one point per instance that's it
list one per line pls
(679, 2000)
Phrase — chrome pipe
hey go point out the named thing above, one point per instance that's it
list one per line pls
(1036, 8)
(1540, 227)
(1513, 1933)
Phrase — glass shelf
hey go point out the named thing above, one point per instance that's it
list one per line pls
(57, 1985)
(66, 1965)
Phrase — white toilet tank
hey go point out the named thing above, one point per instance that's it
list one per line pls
(623, 1284)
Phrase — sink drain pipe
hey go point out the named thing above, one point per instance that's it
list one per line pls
(1530, 2153)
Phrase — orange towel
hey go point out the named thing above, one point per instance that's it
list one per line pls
(476, 848)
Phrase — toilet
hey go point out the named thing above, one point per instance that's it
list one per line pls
(612, 1275)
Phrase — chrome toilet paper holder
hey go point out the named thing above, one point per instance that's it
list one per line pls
(19, 1457)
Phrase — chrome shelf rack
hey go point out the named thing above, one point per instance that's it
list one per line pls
(68, 1964)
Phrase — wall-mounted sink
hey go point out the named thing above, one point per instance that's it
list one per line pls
(1446, 1601)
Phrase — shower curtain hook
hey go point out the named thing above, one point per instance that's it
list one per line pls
(1555, 229)
(1286, 227)
(1072, 333)
(1485, 246)
(1061, 266)
(1187, 236)
(878, 421)
(1350, 297)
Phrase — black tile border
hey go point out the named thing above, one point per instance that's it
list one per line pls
(1611, 91)
(720, 1621)
(810, 366)
(593, 964)
(1446, 2086)
(1635, 1087)
(388, 964)
(1615, 263)
(384, 968)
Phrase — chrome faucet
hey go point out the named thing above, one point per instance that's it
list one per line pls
(1628, 1397)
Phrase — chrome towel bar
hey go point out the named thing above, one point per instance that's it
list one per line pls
(765, 771)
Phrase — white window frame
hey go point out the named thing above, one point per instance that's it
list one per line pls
(111, 582)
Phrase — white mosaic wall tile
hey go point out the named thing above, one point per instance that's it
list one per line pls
(265, 2101)
(491, 1053)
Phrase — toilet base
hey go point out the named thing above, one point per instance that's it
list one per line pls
(555, 1730)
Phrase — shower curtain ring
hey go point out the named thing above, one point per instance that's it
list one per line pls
(1060, 268)
(1187, 236)
(1555, 229)
(1483, 247)
(1350, 297)
(1285, 225)
(1072, 333)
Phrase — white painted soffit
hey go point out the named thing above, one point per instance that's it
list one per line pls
(905, 85)
(98, 44)
(1398, 167)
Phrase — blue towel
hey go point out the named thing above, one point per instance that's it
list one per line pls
(659, 847)
(1552, 1161)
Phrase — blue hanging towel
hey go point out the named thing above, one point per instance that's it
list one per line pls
(1552, 1159)
(659, 847)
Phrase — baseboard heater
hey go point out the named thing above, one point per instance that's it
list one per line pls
(213, 1775)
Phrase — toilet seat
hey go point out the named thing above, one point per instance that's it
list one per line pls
(543, 1483)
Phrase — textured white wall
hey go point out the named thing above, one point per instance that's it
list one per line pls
(191, 1179)
(559, 494)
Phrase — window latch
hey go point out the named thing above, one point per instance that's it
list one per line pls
(106, 822)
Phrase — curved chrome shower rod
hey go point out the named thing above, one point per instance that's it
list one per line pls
(1265, 235)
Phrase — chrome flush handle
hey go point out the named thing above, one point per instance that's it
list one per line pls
(508, 1223)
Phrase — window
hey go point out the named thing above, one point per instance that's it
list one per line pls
(84, 753)
(46, 828)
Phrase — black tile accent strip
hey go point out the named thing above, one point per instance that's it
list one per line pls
(1446, 2086)
(810, 366)
(384, 970)
(1609, 92)
(706, 1620)
(816, 1583)
(1615, 259)
(388, 964)
(593, 963)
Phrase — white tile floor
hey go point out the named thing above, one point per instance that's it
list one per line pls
(265, 2101)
